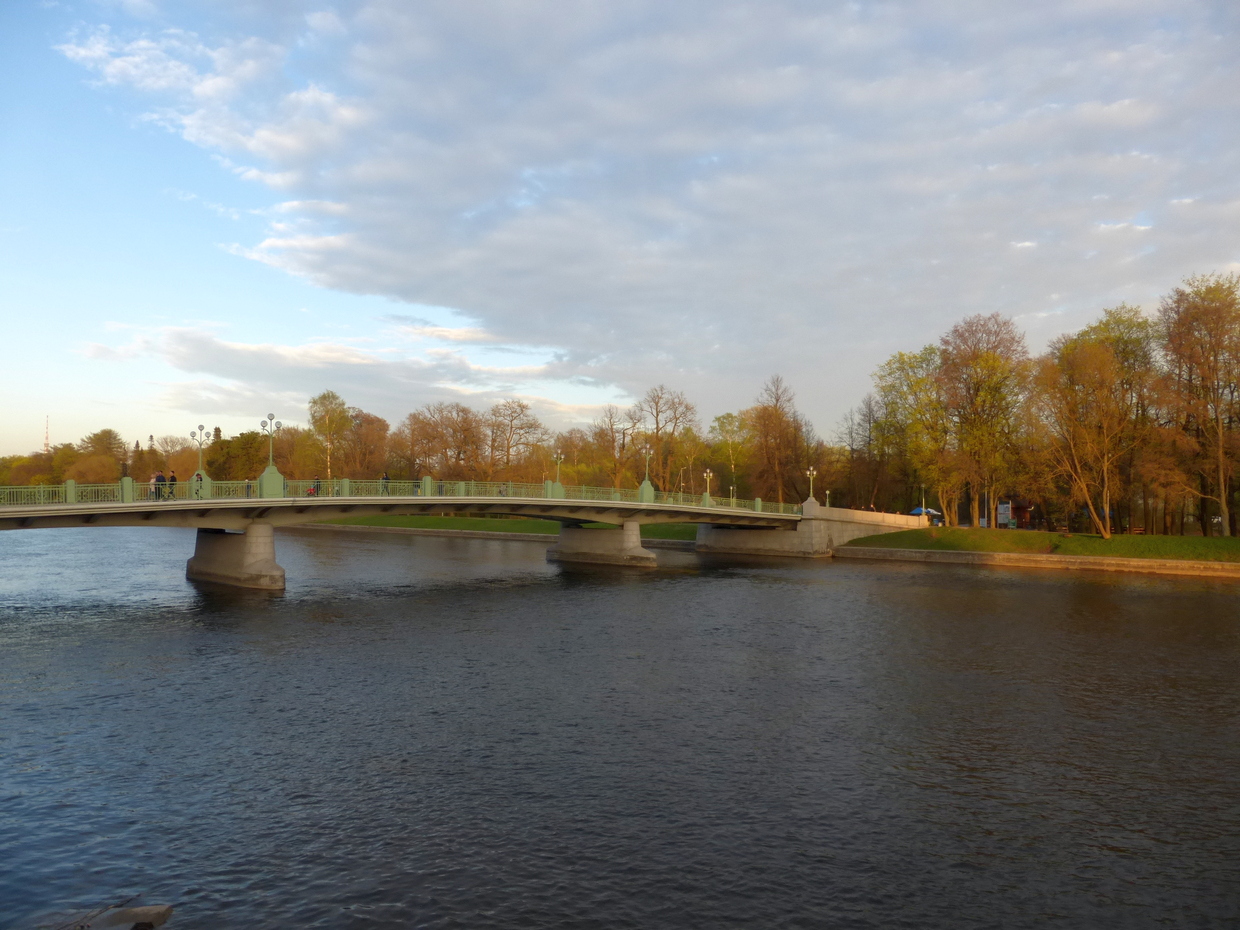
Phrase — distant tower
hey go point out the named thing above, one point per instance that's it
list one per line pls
(47, 433)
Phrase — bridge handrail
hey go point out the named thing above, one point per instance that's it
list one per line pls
(141, 492)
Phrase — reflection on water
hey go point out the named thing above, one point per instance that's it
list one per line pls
(452, 733)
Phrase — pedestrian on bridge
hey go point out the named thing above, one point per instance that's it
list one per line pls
(151, 494)
(172, 485)
(161, 484)
(383, 484)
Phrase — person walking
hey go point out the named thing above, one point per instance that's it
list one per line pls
(383, 484)
(151, 494)
(316, 488)
(172, 485)
(198, 485)
(161, 485)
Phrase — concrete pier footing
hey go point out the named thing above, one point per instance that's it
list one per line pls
(821, 529)
(245, 560)
(605, 547)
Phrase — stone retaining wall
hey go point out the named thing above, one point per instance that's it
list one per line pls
(1038, 560)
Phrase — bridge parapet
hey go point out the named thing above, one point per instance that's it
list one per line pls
(128, 491)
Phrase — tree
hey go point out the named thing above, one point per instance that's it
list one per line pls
(513, 431)
(364, 444)
(330, 420)
(94, 469)
(170, 445)
(444, 439)
(236, 459)
(1200, 325)
(913, 401)
(1131, 337)
(983, 375)
(665, 413)
(1083, 403)
(782, 442)
(613, 432)
(727, 433)
(105, 442)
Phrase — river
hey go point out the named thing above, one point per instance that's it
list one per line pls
(452, 733)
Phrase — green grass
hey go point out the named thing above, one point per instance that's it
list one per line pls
(507, 525)
(1193, 548)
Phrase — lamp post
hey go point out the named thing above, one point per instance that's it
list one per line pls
(733, 495)
(200, 438)
(923, 499)
(557, 458)
(270, 426)
(708, 474)
(811, 473)
(645, 493)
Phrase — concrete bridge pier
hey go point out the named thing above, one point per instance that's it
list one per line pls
(244, 560)
(821, 529)
(810, 539)
(602, 547)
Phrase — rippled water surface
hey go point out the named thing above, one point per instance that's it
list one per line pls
(440, 732)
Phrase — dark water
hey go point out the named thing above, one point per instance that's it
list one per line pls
(451, 733)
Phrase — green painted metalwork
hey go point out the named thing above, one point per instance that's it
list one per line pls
(271, 484)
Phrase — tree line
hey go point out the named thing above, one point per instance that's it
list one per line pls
(1129, 424)
(762, 451)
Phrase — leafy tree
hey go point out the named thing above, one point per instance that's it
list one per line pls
(916, 416)
(1200, 325)
(983, 373)
(330, 420)
(105, 442)
(1083, 403)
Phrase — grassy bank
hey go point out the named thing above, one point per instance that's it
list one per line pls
(506, 525)
(1195, 548)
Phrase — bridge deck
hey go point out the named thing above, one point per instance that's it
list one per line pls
(237, 514)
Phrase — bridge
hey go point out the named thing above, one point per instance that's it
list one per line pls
(236, 520)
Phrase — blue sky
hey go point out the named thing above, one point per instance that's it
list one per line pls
(213, 210)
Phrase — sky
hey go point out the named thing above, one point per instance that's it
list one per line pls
(212, 211)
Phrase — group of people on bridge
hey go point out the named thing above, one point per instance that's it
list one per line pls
(163, 488)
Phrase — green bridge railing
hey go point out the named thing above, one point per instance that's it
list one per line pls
(128, 491)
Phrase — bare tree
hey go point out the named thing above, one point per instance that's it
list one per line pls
(782, 441)
(513, 431)
(613, 432)
(665, 413)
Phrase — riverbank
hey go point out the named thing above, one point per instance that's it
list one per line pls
(1028, 542)
(656, 536)
(500, 527)
(1156, 555)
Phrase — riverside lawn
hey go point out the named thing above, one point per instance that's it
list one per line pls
(507, 525)
(945, 539)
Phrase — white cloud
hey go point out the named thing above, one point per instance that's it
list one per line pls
(706, 193)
